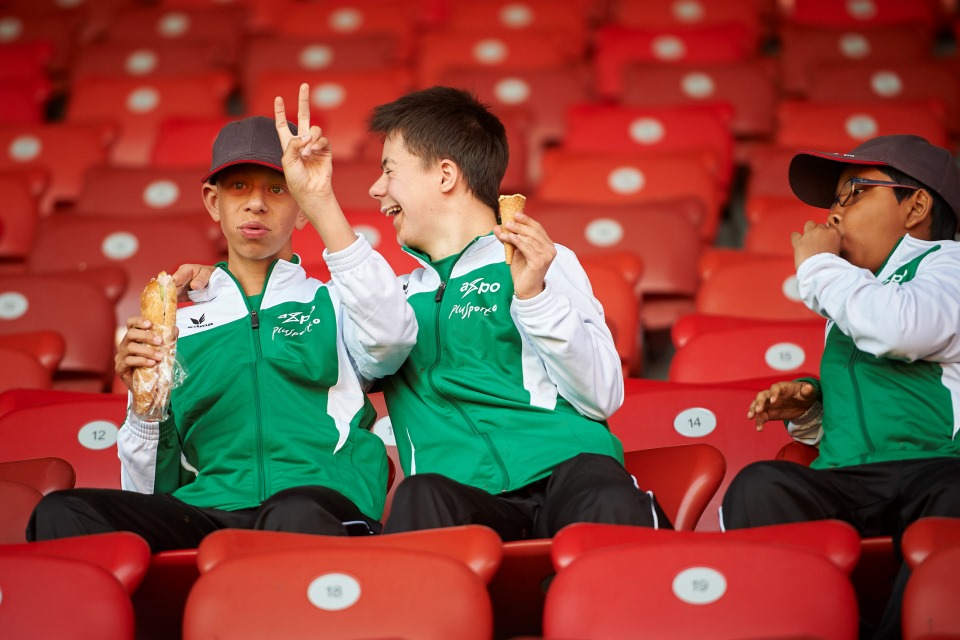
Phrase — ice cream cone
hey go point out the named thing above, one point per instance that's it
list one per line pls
(509, 207)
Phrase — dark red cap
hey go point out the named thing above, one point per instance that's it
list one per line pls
(814, 174)
(252, 140)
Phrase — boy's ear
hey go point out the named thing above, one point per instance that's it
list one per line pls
(921, 210)
(449, 175)
(301, 220)
(211, 198)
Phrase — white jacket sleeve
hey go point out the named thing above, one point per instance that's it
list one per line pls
(918, 319)
(565, 326)
(379, 326)
(137, 445)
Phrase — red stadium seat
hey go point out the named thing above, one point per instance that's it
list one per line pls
(929, 608)
(684, 478)
(748, 87)
(142, 192)
(186, 142)
(841, 127)
(661, 414)
(342, 102)
(25, 60)
(31, 303)
(22, 370)
(83, 432)
(138, 106)
(619, 47)
(53, 25)
(478, 548)
(927, 536)
(89, 601)
(18, 219)
(566, 23)
(150, 59)
(669, 279)
(43, 474)
(619, 128)
(142, 247)
(763, 287)
(856, 15)
(790, 349)
(837, 541)
(63, 150)
(17, 502)
(343, 591)
(621, 307)
(896, 82)
(590, 179)
(125, 555)
(692, 588)
(802, 48)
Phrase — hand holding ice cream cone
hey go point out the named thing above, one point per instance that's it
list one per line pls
(510, 206)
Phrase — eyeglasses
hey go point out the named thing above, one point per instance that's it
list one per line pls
(853, 187)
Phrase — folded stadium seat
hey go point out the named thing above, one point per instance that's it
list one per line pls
(621, 308)
(89, 601)
(186, 142)
(148, 193)
(311, 54)
(142, 247)
(695, 587)
(762, 287)
(929, 607)
(927, 536)
(25, 60)
(772, 220)
(618, 47)
(24, 101)
(692, 15)
(341, 101)
(661, 414)
(18, 218)
(343, 591)
(63, 151)
(902, 81)
(621, 128)
(791, 349)
(82, 431)
(858, 15)
(669, 279)
(841, 127)
(518, 588)
(148, 59)
(123, 554)
(769, 172)
(477, 547)
(603, 179)
(748, 86)
(44, 474)
(493, 50)
(50, 24)
(210, 25)
(544, 94)
(31, 303)
(804, 47)
(292, 19)
(835, 540)
(17, 502)
(22, 370)
(138, 106)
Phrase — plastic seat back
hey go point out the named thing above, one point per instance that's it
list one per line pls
(929, 604)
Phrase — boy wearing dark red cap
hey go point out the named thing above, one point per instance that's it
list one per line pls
(270, 427)
(884, 270)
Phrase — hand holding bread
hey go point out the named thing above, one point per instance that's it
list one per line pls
(151, 385)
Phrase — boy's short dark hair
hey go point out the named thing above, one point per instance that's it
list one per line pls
(444, 122)
(943, 222)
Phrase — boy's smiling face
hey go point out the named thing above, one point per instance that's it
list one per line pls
(256, 212)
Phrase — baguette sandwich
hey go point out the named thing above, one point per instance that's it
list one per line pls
(152, 385)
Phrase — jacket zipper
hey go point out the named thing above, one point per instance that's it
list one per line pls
(493, 451)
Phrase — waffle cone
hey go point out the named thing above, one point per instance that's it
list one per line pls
(510, 206)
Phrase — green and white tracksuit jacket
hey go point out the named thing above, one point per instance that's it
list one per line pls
(497, 390)
(890, 372)
(274, 395)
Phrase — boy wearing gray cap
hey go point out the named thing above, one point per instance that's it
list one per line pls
(270, 427)
(884, 270)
